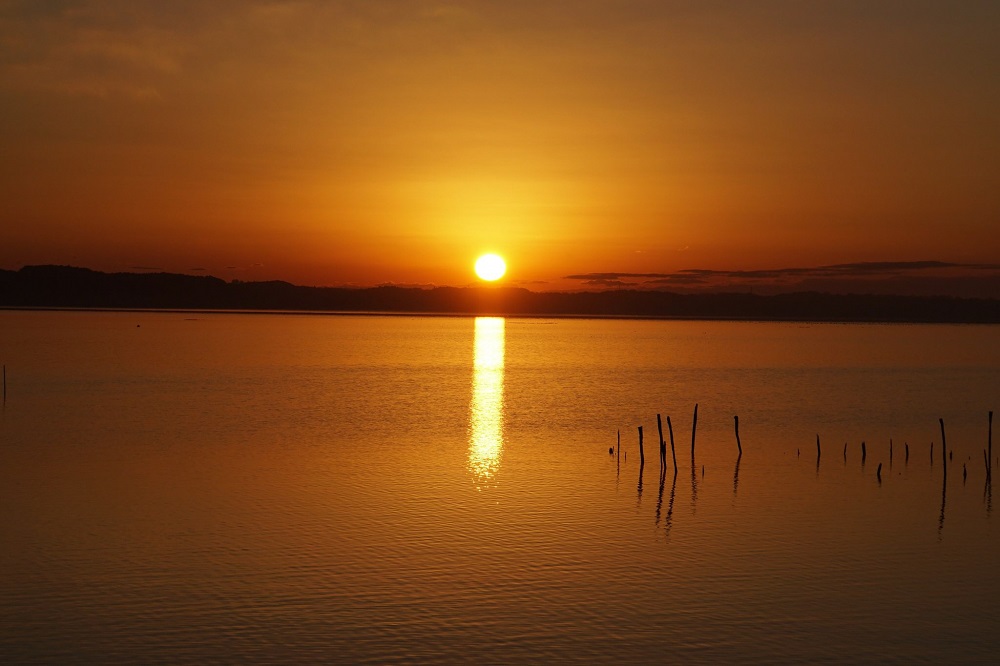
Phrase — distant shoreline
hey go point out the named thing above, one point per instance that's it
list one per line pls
(64, 288)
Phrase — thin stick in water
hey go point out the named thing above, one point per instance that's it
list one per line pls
(642, 457)
(673, 454)
(663, 445)
(736, 421)
(694, 428)
(944, 446)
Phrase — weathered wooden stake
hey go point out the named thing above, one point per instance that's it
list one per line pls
(944, 446)
(619, 447)
(864, 453)
(673, 454)
(818, 452)
(878, 472)
(989, 437)
(965, 473)
(5, 389)
(736, 421)
(906, 448)
(663, 445)
(845, 451)
(890, 451)
(694, 428)
(986, 461)
(932, 453)
(642, 457)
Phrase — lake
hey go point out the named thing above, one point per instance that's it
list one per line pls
(203, 487)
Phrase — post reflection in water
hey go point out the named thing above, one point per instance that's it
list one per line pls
(486, 412)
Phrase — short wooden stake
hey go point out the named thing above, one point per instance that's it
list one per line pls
(906, 449)
(890, 452)
(845, 451)
(818, 452)
(864, 453)
(965, 473)
(878, 472)
(642, 457)
(5, 388)
(619, 447)
(736, 421)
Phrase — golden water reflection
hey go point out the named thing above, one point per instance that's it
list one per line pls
(486, 413)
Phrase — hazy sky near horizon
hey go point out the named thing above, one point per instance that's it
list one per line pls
(382, 141)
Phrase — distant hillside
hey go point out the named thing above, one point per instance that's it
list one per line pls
(70, 287)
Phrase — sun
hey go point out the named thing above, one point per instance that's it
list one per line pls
(490, 267)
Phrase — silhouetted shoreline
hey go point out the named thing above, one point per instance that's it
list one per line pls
(66, 287)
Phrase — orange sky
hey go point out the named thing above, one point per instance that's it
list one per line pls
(368, 142)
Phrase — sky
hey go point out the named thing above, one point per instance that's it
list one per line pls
(591, 143)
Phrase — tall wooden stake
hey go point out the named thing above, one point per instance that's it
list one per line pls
(663, 445)
(673, 454)
(989, 437)
(817, 448)
(694, 428)
(944, 447)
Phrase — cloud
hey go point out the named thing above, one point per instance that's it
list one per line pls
(903, 277)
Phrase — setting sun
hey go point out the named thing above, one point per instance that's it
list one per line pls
(490, 267)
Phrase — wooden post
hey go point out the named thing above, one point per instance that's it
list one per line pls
(864, 453)
(845, 452)
(739, 446)
(944, 446)
(890, 452)
(673, 454)
(619, 447)
(989, 437)
(878, 472)
(906, 448)
(986, 460)
(5, 389)
(663, 445)
(642, 457)
(694, 428)
(818, 452)
(932, 453)
(965, 473)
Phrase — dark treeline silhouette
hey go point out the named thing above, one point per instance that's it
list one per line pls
(70, 287)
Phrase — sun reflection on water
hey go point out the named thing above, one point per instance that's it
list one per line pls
(486, 413)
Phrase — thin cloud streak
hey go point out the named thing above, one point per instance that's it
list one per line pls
(902, 277)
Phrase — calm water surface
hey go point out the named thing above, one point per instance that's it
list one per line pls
(193, 488)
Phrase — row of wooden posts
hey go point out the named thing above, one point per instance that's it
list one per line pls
(673, 450)
(987, 452)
